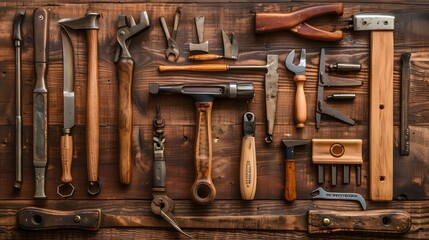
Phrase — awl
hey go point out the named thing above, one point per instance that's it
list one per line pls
(313, 221)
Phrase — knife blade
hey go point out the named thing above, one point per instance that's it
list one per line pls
(40, 101)
(315, 221)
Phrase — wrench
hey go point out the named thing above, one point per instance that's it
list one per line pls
(171, 40)
(322, 194)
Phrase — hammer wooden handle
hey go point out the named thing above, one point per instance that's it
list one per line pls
(306, 31)
(270, 22)
(300, 101)
(203, 189)
(125, 118)
(248, 174)
(196, 68)
(66, 158)
(290, 184)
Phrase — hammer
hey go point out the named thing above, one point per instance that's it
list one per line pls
(290, 181)
(203, 189)
(89, 23)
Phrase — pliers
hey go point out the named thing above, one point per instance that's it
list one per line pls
(171, 40)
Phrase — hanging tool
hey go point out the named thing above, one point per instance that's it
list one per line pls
(405, 91)
(320, 193)
(248, 168)
(40, 100)
(345, 67)
(172, 48)
(161, 204)
(338, 151)
(17, 38)
(230, 50)
(89, 23)
(271, 83)
(203, 189)
(328, 81)
(341, 97)
(300, 112)
(312, 221)
(125, 78)
(381, 102)
(66, 189)
(295, 22)
(290, 180)
(201, 46)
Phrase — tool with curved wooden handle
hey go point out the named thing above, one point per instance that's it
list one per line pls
(203, 189)
(125, 118)
(248, 169)
(300, 101)
(307, 31)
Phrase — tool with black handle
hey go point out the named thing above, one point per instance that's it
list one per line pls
(405, 92)
(248, 168)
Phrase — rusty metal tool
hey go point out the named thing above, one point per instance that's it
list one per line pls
(345, 67)
(329, 81)
(316, 221)
(271, 83)
(300, 106)
(89, 23)
(248, 168)
(230, 50)
(405, 91)
(290, 180)
(40, 100)
(66, 189)
(17, 38)
(295, 22)
(172, 48)
(201, 46)
(203, 189)
(381, 102)
(161, 204)
(125, 65)
(320, 193)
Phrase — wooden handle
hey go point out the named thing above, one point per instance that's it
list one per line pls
(195, 68)
(381, 116)
(290, 184)
(269, 22)
(307, 31)
(300, 101)
(205, 57)
(248, 173)
(66, 158)
(92, 108)
(125, 118)
(203, 190)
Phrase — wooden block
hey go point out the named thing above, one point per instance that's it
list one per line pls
(337, 151)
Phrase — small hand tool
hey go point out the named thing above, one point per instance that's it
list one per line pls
(328, 81)
(161, 204)
(295, 22)
(313, 221)
(271, 83)
(300, 112)
(230, 50)
(172, 48)
(201, 46)
(405, 91)
(203, 189)
(319, 193)
(40, 100)
(248, 168)
(345, 67)
(125, 78)
(381, 102)
(290, 180)
(66, 189)
(89, 23)
(17, 38)
(341, 97)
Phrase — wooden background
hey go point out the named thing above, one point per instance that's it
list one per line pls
(411, 181)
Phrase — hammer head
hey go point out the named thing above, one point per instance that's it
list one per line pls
(90, 21)
(201, 46)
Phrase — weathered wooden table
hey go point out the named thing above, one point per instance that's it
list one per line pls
(411, 174)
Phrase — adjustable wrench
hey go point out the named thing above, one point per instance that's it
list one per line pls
(322, 194)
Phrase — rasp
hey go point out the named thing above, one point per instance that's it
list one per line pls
(40, 100)
(313, 221)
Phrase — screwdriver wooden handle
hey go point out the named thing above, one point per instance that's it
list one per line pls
(290, 184)
(203, 189)
(205, 57)
(300, 101)
(66, 158)
(125, 118)
(196, 68)
(306, 31)
(248, 173)
(269, 22)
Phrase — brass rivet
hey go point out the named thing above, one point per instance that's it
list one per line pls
(326, 221)
(77, 219)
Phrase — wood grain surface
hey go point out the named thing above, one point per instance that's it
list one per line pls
(411, 173)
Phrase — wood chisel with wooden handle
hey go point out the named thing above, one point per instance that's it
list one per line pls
(314, 221)
(40, 100)
(248, 168)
